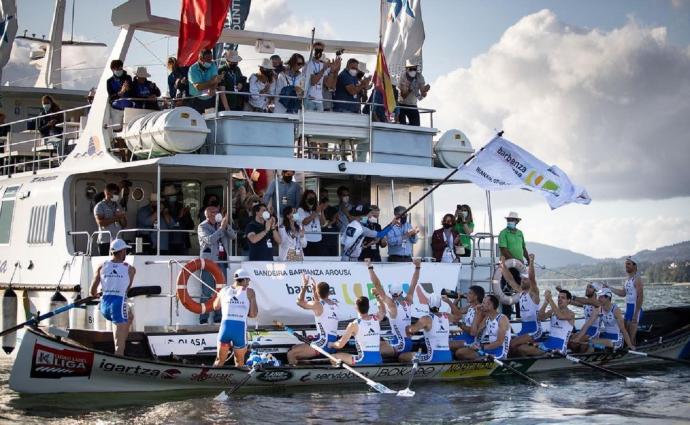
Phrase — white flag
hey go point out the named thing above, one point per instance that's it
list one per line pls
(402, 32)
(8, 29)
(502, 165)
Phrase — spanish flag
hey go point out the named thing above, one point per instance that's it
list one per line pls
(382, 82)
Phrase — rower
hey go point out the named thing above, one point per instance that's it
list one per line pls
(633, 291)
(471, 315)
(528, 291)
(367, 332)
(237, 302)
(115, 277)
(326, 316)
(561, 326)
(612, 327)
(590, 306)
(398, 310)
(436, 329)
(495, 334)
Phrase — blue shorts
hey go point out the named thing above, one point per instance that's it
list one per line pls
(462, 336)
(323, 343)
(592, 331)
(401, 346)
(442, 356)
(114, 309)
(498, 353)
(629, 311)
(367, 358)
(532, 329)
(617, 339)
(553, 343)
(233, 332)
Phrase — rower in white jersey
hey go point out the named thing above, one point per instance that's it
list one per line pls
(612, 332)
(436, 330)
(367, 332)
(590, 307)
(562, 321)
(528, 297)
(236, 302)
(633, 291)
(398, 310)
(325, 314)
(471, 316)
(115, 278)
(495, 334)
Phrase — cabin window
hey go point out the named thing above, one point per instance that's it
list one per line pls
(6, 213)
(42, 224)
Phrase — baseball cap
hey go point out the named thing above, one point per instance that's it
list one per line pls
(241, 274)
(605, 292)
(434, 301)
(395, 289)
(118, 245)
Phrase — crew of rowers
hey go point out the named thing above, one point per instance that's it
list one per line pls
(484, 331)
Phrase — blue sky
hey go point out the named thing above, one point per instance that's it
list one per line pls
(600, 88)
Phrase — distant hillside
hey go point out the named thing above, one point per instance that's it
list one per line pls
(554, 257)
(676, 252)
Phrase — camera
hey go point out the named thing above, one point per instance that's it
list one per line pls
(339, 52)
(451, 294)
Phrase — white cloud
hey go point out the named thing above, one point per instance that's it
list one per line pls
(275, 16)
(610, 108)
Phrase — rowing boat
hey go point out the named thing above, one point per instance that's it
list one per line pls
(48, 364)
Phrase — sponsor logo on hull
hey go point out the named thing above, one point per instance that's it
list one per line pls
(56, 363)
(138, 370)
(212, 377)
(389, 372)
(468, 370)
(274, 375)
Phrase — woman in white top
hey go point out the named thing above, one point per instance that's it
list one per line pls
(292, 76)
(311, 216)
(292, 240)
(261, 87)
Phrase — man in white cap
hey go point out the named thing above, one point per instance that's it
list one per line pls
(144, 91)
(115, 278)
(633, 291)
(232, 81)
(590, 307)
(261, 87)
(511, 242)
(436, 330)
(412, 87)
(236, 302)
(612, 332)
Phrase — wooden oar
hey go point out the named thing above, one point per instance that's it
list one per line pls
(518, 373)
(656, 356)
(373, 384)
(407, 392)
(223, 396)
(593, 366)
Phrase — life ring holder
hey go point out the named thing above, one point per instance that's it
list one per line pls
(190, 267)
(511, 263)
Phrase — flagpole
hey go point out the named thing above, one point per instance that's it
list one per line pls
(307, 86)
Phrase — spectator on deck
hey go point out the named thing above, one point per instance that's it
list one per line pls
(48, 124)
(178, 85)
(412, 88)
(147, 218)
(244, 217)
(401, 237)
(362, 73)
(125, 188)
(445, 240)
(511, 242)
(110, 217)
(172, 201)
(119, 86)
(262, 233)
(203, 81)
(330, 233)
(277, 63)
(290, 83)
(290, 192)
(464, 225)
(311, 216)
(143, 88)
(4, 129)
(371, 246)
(344, 207)
(292, 238)
(322, 74)
(261, 86)
(233, 81)
(349, 87)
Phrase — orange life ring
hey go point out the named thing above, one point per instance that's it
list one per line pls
(182, 278)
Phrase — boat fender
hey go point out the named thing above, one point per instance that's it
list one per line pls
(496, 282)
(9, 319)
(56, 301)
(190, 267)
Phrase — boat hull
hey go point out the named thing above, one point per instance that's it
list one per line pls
(45, 364)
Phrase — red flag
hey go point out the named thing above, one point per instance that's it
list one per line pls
(383, 83)
(201, 24)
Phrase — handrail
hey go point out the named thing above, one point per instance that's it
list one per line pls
(82, 233)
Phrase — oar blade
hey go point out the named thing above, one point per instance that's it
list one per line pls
(381, 388)
(221, 397)
(406, 393)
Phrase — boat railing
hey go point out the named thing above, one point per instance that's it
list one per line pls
(33, 143)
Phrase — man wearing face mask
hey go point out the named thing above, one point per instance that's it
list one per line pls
(277, 63)
(233, 81)
(147, 218)
(412, 88)
(203, 81)
(349, 87)
(321, 74)
(355, 232)
(119, 86)
(511, 242)
(110, 217)
(215, 235)
(401, 237)
(262, 234)
(289, 191)
(370, 246)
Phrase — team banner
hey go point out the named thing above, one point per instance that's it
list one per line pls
(402, 34)
(235, 19)
(277, 286)
(502, 165)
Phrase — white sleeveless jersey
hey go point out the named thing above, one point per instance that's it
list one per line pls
(368, 336)
(560, 328)
(352, 239)
(234, 304)
(528, 308)
(609, 324)
(491, 329)
(631, 290)
(327, 322)
(436, 339)
(115, 279)
(589, 310)
(402, 319)
(468, 319)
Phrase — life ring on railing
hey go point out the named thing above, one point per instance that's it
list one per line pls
(511, 263)
(183, 277)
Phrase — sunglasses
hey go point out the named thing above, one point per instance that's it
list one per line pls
(300, 63)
